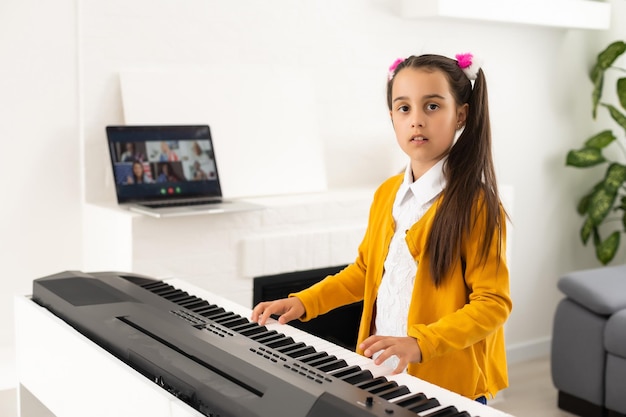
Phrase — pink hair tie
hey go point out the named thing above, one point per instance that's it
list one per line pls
(469, 64)
(392, 68)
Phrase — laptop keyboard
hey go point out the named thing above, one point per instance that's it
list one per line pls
(182, 203)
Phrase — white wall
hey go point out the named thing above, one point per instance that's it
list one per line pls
(539, 98)
(40, 216)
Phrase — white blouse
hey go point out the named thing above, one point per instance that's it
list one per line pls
(394, 295)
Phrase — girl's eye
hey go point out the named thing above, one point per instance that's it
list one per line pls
(403, 109)
(432, 106)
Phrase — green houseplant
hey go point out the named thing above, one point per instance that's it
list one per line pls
(604, 206)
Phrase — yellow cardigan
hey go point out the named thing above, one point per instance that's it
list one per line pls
(458, 326)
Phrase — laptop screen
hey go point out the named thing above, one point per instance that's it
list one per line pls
(154, 163)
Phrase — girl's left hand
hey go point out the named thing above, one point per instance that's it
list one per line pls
(405, 348)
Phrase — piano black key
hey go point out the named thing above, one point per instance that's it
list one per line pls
(229, 315)
(216, 315)
(425, 405)
(268, 337)
(155, 286)
(331, 366)
(411, 399)
(288, 348)
(394, 392)
(245, 326)
(265, 336)
(345, 371)
(168, 290)
(383, 387)
(300, 352)
(199, 306)
(234, 322)
(152, 285)
(175, 293)
(219, 318)
(357, 377)
(248, 329)
(194, 303)
(179, 296)
(322, 361)
(366, 385)
(182, 300)
(449, 411)
(163, 289)
(312, 356)
(282, 341)
(211, 309)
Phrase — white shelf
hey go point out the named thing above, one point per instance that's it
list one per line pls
(568, 14)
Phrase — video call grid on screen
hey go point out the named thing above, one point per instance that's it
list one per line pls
(153, 163)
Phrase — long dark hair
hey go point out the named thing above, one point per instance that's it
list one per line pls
(469, 170)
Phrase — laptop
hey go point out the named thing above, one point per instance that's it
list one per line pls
(165, 171)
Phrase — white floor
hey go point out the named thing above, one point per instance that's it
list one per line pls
(531, 393)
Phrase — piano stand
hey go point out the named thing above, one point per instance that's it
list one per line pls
(54, 363)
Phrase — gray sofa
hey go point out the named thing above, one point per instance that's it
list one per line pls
(588, 358)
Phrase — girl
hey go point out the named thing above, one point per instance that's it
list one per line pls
(431, 269)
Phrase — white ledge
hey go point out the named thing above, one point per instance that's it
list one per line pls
(567, 14)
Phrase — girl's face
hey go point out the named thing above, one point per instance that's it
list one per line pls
(425, 116)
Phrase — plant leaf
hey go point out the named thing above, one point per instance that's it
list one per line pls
(586, 230)
(600, 204)
(604, 60)
(621, 92)
(583, 158)
(596, 236)
(601, 140)
(607, 57)
(616, 115)
(605, 250)
(615, 177)
(596, 93)
(583, 204)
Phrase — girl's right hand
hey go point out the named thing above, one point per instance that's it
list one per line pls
(287, 308)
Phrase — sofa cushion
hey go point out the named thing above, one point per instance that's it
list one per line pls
(601, 290)
(615, 334)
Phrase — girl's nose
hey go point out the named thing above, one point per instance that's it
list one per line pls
(417, 121)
